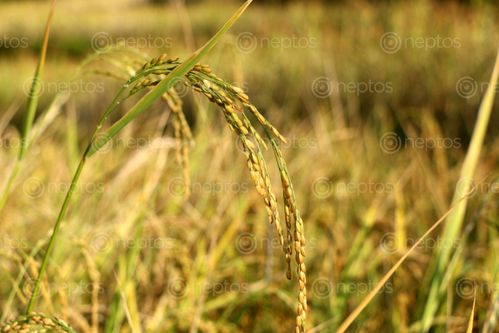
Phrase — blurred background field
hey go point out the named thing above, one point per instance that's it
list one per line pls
(378, 101)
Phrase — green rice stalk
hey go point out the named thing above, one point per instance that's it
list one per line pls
(97, 142)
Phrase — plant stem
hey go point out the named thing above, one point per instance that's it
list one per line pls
(96, 143)
(74, 182)
(34, 93)
(55, 231)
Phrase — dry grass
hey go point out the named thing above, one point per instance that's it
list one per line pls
(150, 245)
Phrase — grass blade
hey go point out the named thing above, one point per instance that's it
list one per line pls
(455, 220)
(31, 109)
(35, 85)
(472, 314)
(355, 313)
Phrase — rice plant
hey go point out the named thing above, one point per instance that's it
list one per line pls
(157, 76)
(157, 199)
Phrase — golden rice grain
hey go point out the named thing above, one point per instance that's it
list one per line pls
(35, 323)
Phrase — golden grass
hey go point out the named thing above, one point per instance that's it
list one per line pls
(153, 246)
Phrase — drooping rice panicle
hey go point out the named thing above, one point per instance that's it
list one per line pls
(234, 102)
(213, 92)
(299, 235)
(243, 128)
(204, 72)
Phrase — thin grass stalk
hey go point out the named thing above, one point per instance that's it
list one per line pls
(35, 86)
(455, 220)
(34, 93)
(472, 315)
(375, 291)
(67, 199)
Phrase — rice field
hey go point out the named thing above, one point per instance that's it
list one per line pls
(249, 167)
